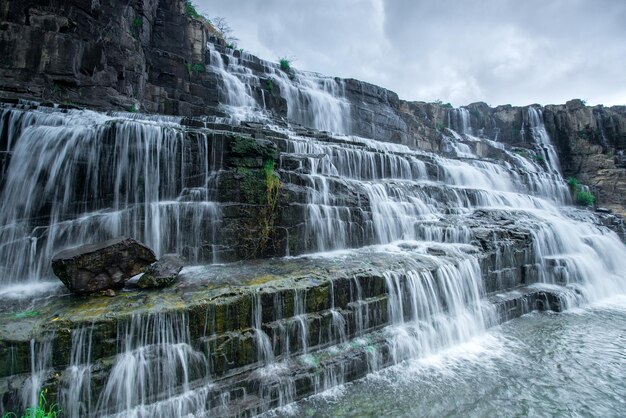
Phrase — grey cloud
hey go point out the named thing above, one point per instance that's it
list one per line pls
(497, 51)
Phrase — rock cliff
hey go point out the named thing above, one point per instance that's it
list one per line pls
(409, 226)
(149, 56)
(105, 54)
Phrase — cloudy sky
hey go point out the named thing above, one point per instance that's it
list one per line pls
(458, 51)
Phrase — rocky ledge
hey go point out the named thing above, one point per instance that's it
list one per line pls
(300, 306)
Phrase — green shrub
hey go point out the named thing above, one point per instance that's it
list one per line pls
(190, 10)
(440, 126)
(272, 182)
(285, 64)
(136, 22)
(195, 67)
(573, 183)
(42, 410)
(585, 198)
(269, 86)
(273, 187)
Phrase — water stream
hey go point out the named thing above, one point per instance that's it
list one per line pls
(569, 364)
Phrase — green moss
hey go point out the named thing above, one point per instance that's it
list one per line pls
(243, 146)
(262, 280)
(27, 314)
(252, 185)
(318, 298)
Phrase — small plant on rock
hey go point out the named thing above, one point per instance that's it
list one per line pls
(581, 197)
(573, 183)
(285, 64)
(41, 410)
(195, 67)
(190, 10)
(585, 198)
(273, 187)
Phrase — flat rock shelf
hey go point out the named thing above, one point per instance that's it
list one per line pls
(245, 337)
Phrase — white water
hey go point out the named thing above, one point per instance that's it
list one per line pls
(542, 139)
(96, 177)
(357, 192)
(154, 369)
(312, 100)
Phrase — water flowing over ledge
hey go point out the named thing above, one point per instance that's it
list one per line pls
(451, 245)
(383, 245)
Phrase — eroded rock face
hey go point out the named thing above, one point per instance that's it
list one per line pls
(105, 54)
(161, 273)
(107, 265)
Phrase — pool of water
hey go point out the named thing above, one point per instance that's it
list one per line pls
(571, 364)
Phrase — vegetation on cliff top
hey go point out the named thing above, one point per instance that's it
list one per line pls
(217, 26)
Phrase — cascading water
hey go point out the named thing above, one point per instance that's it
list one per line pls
(430, 312)
(96, 177)
(312, 100)
(413, 225)
(542, 139)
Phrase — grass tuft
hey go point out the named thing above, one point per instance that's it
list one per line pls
(285, 64)
(585, 198)
(42, 410)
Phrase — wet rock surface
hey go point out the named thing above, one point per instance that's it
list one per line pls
(150, 56)
(96, 267)
(265, 331)
(224, 306)
(161, 273)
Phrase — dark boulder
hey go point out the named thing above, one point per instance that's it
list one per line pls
(106, 265)
(162, 273)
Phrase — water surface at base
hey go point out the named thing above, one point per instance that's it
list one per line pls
(543, 364)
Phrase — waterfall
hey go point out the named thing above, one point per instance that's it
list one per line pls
(542, 139)
(154, 370)
(429, 312)
(75, 392)
(398, 252)
(463, 117)
(312, 100)
(40, 359)
(96, 177)
(315, 101)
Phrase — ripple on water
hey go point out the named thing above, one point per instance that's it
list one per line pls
(543, 364)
